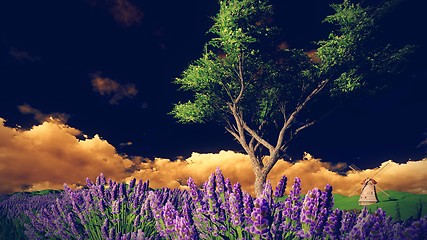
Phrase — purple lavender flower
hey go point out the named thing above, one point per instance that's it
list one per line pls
(112, 234)
(211, 186)
(132, 183)
(122, 190)
(417, 229)
(116, 206)
(211, 197)
(89, 183)
(333, 225)
(281, 186)
(105, 229)
(137, 221)
(73, 225)
(363, 225)
(347, 222)
(155, 205)
(267, 193)
(327, 198)
(194, 191)
(237, 189)
(100, 180)
(184, 230)
(219, 179)
(292, 208)
(309, 213)
(277, 226)
(228, 188)
(114, 191)
(326, 202)
(261, 218)
(236, 211)
(377, 230)
(169, 214)
(187, 212)
(247, 208)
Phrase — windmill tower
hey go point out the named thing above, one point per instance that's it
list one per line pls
(368, 194)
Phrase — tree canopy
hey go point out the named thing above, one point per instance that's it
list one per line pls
(261, 93)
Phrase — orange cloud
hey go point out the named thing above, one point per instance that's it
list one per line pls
(408, 177)
(41, 117)
(125, 13)
(50, 154)
(109, 87)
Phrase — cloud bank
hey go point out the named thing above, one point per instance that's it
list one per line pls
(113, 89)
(408, 177)
(51, 154)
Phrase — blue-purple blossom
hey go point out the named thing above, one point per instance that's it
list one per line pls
(267, 193)
(363, 225)
(280, 187)
(333, 224)
(292, 208)
(219, 178)
(309, 213)
(261, 218)
(184, 230)
(236, 210)
(347, 222)
(168, 214)
(247, 208)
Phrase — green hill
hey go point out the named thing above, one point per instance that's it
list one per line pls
(408, 204)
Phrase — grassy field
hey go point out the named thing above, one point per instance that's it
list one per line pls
(408, 204)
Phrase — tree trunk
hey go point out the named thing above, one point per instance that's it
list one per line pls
(262, 171)
(260, 179)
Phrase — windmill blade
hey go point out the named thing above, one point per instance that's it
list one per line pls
(380, 170)
(354, 168)
(354, 191)
(382, 191)
(364, 185)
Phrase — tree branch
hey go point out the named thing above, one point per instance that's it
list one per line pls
(242, 82)
(304, 103)
(304, 127)
(233, 133)
(257, 137)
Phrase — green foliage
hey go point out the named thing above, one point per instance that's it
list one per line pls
(240, 23)
(241, 65)
(231, 57)
(354, 51)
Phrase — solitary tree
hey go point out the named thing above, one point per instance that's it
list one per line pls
(264, 95)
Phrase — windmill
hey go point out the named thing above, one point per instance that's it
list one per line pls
(368, 194)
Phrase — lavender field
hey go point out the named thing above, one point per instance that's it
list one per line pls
(106, 209)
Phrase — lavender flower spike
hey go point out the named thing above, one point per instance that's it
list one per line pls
(236, 210)
(261, 219)
(281, 186)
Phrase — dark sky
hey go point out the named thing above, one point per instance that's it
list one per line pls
(52, 53)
